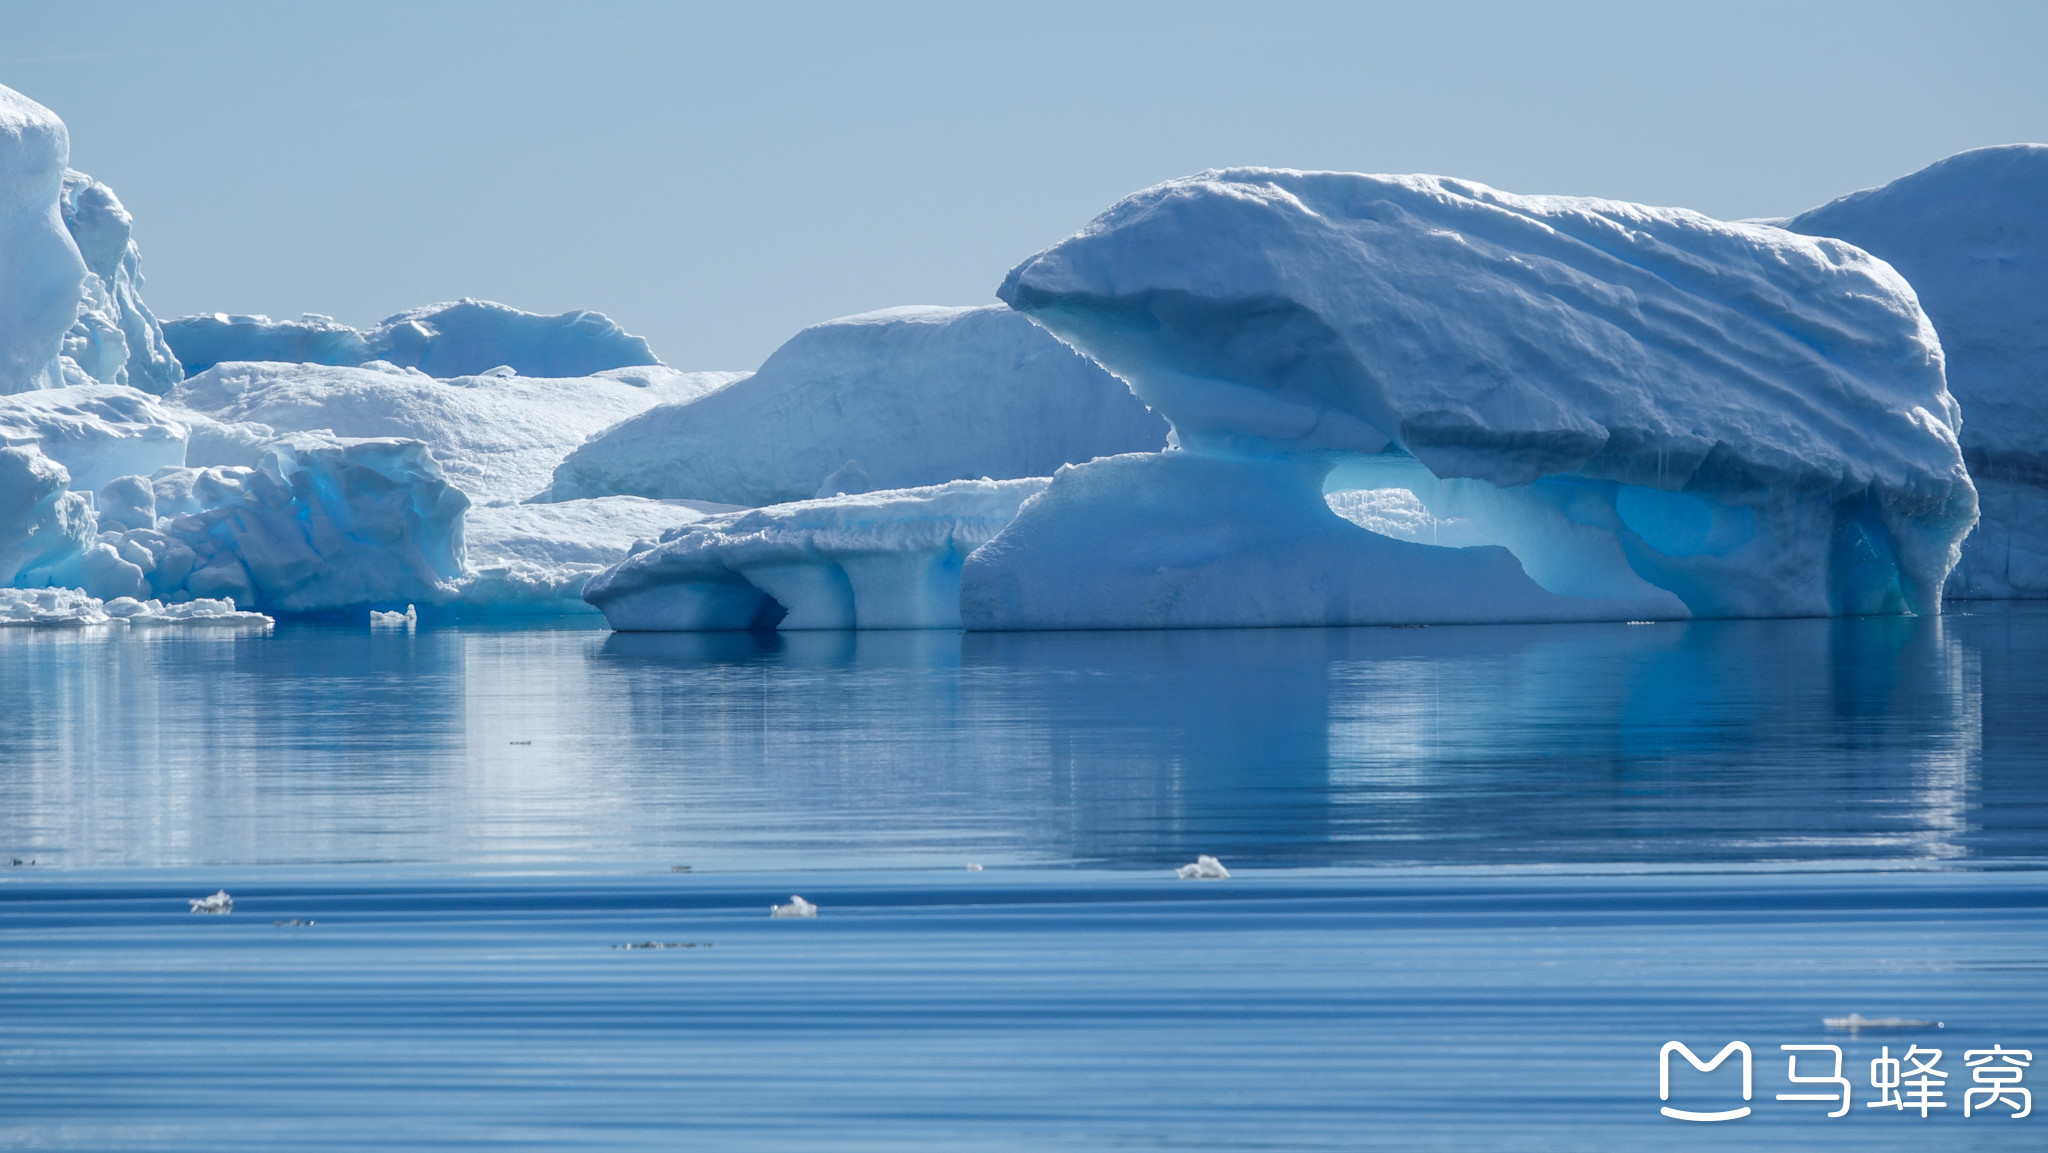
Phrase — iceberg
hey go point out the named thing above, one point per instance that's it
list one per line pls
(456, 338)
(116, 339)
(1637, 412)
(901, 398)
(1204, 868)
(203, 341)
(406, 620)
(220, 902)
(498, 438)
(41, 271)
(96, 431)
(882, 560)
(1970, 233)
(51, 608)
(43, 525)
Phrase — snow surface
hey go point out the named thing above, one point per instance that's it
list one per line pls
(900, 398)
(40, 269)
(457, 338)
(498, 438)
(96, 431)
(1971, 235)
(1726, 419)
(884, 560)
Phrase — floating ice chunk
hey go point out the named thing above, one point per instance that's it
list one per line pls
(395, 620)
(218, 903)
(1855, 1022)
(96, 431)
(42, 271)
(1753, 422)
(797, 907)
(205, 613)
(882, 560)
(1205, 868)
(51, 608)
(973, 868)
(918, 396)
(1971, 235)
(496, 438)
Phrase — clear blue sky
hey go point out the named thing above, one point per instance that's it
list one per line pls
(717, 177)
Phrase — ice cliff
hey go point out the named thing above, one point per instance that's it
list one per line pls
(40, 268)
(899, 398)
(1971, 235)
(1633, 411)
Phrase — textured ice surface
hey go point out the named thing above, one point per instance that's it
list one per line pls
(220, 902)
(1728, 419)
(1971, 235)
(883, 560)
(116, 339)
(75, 608)
(40, 269)
(498, 438)
(42, 523)
(96, 431)
(899, 398)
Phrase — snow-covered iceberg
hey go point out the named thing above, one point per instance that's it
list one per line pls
(900, 398)
(116, 339)
(96, 431)
(498, 438)
(1971, 235)
(458, 338)
(40, 269)
(1654, 412)
(884, 560)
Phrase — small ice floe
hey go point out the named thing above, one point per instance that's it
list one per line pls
(218, 903)
(405, 620)
(294, 923)
(973, 868)
(1205, 868)
(1642, 622)
(679, 868)
(1857, 1021)
(662, 945)
(203, 612)
(797, 907)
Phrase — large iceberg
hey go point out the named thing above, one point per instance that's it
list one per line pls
(883, 560)
(900, 398)
(535, 558)
(1654, 412)
(41, 272)
(458, 338)
(1971, 235)
(497, 437)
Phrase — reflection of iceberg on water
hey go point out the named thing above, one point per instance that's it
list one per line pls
(220, 902)
(797, 907)
(1205, 868)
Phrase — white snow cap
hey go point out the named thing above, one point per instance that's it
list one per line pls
(917, 395)
(1714, 402)
(797, 907)
(1205, 868)
(1971, 234)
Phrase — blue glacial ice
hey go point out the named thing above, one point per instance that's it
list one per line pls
(457, 338)
(1637, 411)
(1971, 235)
(116, 339)
(901, 398)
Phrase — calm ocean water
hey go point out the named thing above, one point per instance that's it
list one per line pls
(1481, 876)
